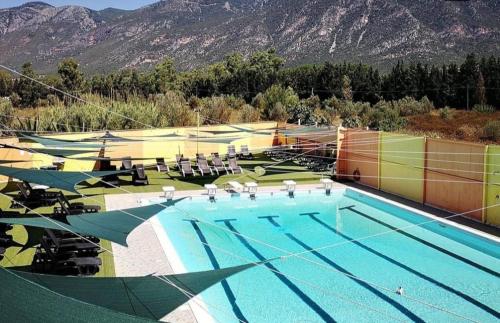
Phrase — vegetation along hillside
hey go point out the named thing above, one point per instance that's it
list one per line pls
(414, 97)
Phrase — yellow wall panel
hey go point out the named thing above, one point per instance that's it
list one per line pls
(402, 165)
(492, 190)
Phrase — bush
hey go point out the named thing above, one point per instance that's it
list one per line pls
(492, 130)
(465, 132)
(483, 108)
(408, 106)
(445, 113)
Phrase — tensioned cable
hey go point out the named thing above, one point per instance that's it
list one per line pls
(203, 221)
(162, 278)
(61, 91)
(123, 211)
(187, 293)
(73, 96)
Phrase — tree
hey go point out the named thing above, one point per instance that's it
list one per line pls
(28, 90)
(5, 84)
(480, 90)
(71, 76)
(165, 75)
(346, 88)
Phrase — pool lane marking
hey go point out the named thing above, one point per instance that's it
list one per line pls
(468, 298)
(225, 285)
(306, 299)
(427, 243)
(349, 275)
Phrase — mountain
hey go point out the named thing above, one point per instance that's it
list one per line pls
(197, 32)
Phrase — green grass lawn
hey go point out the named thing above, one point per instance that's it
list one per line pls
(94, 192)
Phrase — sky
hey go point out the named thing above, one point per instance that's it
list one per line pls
(92, 4)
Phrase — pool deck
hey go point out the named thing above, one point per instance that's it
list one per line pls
(145, 254)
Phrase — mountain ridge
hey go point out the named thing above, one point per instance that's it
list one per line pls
(199, 32)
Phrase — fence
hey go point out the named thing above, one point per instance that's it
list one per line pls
(454, 176)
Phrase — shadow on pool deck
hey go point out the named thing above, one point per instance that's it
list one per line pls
(429, 209)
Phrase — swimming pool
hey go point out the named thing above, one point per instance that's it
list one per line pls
(447, 274)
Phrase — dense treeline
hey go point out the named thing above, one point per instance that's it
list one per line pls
(240, 89)
(475, 81)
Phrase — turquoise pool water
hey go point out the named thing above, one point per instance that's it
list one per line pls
(447, 274)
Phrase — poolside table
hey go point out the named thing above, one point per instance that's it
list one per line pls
(290, 186)
(168, 192)
(211, 190)
(327, 184)
(251, 187)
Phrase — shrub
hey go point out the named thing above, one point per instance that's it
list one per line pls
(408, 106)
(483, 108)
(465, 132)
(445, 113)
(492, 130)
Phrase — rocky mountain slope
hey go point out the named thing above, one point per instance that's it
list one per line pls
(196, 32)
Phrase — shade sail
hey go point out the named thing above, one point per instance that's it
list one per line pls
(147, 297)
(49, 142)
(51, 151)
(52, 178)
(111, 225)
(22, 300)
(109, 137)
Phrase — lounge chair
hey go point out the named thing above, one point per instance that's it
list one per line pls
(76, 246)
(33, 198)
(161, 166)
(245, 153)
(233, 166)
(126, 163)
(139, 176)
(178, 159)
(231, 152)
(186, 168)
(67, 208)
(218, 164)
(109, 180)
(202, 163)
(234, 186)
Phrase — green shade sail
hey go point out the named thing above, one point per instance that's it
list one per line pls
(52, 178)
(49, 142)
(51, 151)
(308, 130)
(147, 297)
(111, 225)
(22, 300)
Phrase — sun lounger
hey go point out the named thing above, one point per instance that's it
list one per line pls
(178, 159)
(139, 176)
(218, 164)
(161, 166)
(245, 153)
(126, 163)
(110, 180)
(233, 166)
(32, 198)
(233, 186)
(67, 208)
(186, 168)
(231, 152)
(202, 164)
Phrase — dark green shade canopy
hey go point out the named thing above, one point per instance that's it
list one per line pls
(49, 142)
(307, 130)
(22, 300)
(111, 225)
(52, 151)
(52, 178)
(147, 297)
